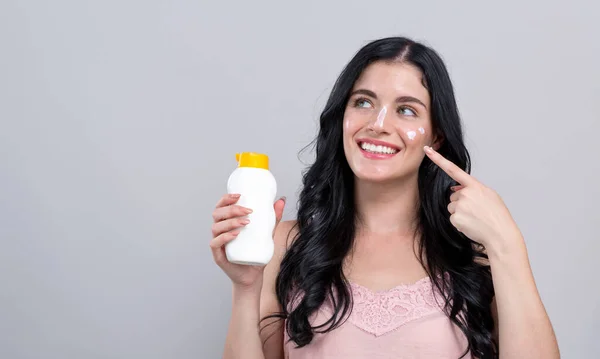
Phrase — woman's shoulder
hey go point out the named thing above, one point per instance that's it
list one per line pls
(284, 236)
(272, 331)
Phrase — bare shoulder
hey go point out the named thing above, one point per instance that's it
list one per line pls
(284, 235)
(272, 328)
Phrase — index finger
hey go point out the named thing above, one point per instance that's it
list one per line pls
(452, 170)
(227, 200)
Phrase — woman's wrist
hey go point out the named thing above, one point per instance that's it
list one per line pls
(509, 260)
(247, 290)
(508, 246)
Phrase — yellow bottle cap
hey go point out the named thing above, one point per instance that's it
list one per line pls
(252, 159)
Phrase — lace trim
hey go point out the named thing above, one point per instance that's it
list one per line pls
(381, 312)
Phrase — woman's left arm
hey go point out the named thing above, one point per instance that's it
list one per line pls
(523, 327)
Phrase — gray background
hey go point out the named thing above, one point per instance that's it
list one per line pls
(120, 120)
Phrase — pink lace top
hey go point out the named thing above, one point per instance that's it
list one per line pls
(405, 322)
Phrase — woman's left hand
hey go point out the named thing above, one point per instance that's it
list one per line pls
(476, 210)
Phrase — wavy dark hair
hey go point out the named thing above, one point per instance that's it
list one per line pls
(311, 271)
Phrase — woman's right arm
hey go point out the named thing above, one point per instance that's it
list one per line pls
(253, 287)
(245, 339)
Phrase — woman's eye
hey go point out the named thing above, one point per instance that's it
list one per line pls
(362, 103)
(407, 111)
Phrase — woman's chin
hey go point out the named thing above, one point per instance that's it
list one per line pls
(376, 176)
(378, 171)
(382, 175)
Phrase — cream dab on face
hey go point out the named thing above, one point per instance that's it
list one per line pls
(381, 117)
(412, 134)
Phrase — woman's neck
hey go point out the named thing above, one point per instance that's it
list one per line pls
(387, 208)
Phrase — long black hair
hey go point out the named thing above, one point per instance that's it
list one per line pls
(311, 270)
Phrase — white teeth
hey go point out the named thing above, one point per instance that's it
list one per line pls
(377, 148)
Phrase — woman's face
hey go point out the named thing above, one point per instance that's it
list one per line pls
(387, 122)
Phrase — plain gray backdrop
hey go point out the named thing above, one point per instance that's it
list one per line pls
(120, 121)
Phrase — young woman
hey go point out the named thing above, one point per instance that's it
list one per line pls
(397, 251)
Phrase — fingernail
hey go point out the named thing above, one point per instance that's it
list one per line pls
(235, 195)
(284, 198)
(428, 149)
(247, 210)
(245, 221)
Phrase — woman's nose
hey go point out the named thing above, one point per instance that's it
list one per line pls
(378, 123)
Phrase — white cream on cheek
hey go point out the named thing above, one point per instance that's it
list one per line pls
(412, 134)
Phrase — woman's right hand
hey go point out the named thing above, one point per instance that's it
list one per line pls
(228, 219)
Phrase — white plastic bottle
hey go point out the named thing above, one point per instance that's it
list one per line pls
(257, 187)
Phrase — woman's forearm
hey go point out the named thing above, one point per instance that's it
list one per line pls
(524, 329)
(243, 338)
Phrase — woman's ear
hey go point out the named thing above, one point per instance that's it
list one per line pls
(438, 140)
